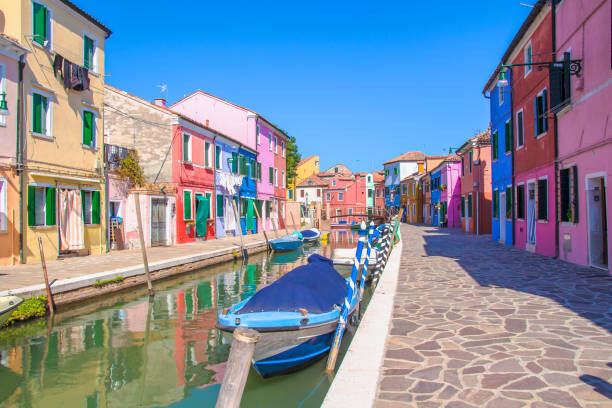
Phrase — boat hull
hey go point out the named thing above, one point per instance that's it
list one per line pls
(7, 305)
(285, 245)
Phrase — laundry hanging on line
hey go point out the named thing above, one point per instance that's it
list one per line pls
(73, 75)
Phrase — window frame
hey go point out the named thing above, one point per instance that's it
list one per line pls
(520, 203)
(528, 51)
(189, 159)
(48, 134)
(544, 95)
(495, 145)
(218, 157)
(49, 33)
(94, 133)
(191, 197)
(520, 129)
(538, 215)
(94, 57)
(340, 196)
(87, 191)
(258, 134)
(207, 160)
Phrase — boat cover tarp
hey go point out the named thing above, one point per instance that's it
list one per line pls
(286, 238)
(309, 233)
(316, 287)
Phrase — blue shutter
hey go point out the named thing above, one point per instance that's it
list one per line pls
(544, 109)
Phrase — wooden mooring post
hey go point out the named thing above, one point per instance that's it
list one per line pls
(50, 303)
(237, 369)
(143, 249)
(245, 254)
(262, 226)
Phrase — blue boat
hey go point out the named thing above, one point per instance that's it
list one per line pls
(296, 316)
(287, 242)
(311, 235)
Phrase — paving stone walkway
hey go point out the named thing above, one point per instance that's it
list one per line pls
(480, 324)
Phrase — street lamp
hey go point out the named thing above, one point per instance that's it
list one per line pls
(3, 106)
(502, 81)
(565, 66)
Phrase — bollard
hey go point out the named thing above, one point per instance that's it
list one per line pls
(364, 270)
(237, 369)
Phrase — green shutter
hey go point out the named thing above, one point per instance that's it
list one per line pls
(218, 157)
(88, 52)
(520, 128)
(207, 154)
(462, 207)
(494, 145)
(40, 23)
(469, 205)
(495, 203)
(95, 207)
(234, 162)
(31, 205)
(83, 204)
(259, 171)
(87, 128)
(271, 175)
(508, 202)
(186, 205)
(508, 137)
(36, 113)
(50, 206)
(219, 205)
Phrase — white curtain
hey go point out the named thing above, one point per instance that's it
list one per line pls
(71, 220)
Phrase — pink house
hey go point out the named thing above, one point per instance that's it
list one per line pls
(585, 134)
(451, 193)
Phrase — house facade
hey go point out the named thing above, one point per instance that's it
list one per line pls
(426, 187)
(437, 207)
(11, 55)
(415, 198)
(305, 168)
(534, 155)
(502, 160)
(280, 179)
(396, 170)
(476, 194)
(60, 143)
(310, 192)
(265, 182)
(449, 190)
(228, 182)
(584, 206)
(379, 193)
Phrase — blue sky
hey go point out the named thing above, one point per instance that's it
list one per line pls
(355, 82)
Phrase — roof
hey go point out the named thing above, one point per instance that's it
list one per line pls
(480, 139)
(88, 16)
(408, 156)
(515, 41)
(312, 181)
(13, 42)
(378, 178)
(230, 103)
(342, 170)
(304, 160)
(414, 176)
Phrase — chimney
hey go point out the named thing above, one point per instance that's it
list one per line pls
(160, 102)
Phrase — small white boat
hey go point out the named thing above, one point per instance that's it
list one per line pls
(311, 235)
(7, 305)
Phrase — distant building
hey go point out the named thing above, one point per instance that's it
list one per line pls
(396, 170)
(306, 167)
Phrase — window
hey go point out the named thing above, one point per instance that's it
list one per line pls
(327, 197)
(494, 142)
(528, 59)
(89, 129)
(539, 105)
(496, 204)
(41, 24)
(508, 203)
(462, 166)
(187, 147)
(378, 192)
(90, 201)
(542, 197)
(283, 178)
(206, 154)
(218, 157)
(3, 210)
(290, 192)
(395, 171)
(334, 183)
(369, 179)
(270, 141)
(302, 193)
(370, 193)
(235, 159)
(386, 172)
(271, 175)
(462, 207)
(41, 205)
(187, 205)
(258, 135)
(219, 212)
(386, 190)
(283, 147)
(469, 203)
(471, 159)
(569, 194)
(340, 196)
(41, 115)
(520, 201)
(404, 189)
(244, 165)
(560, 84)
(350, 211)
(318, 192)
(519, 128)
(508, 137)
(335, 169)
(275, 144)
(500, 93)
(89, 53)
(259, 171)
(275, 177)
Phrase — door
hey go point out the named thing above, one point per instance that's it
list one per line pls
(598, 224)
(158, 221)
(502, 217)
(531, 214)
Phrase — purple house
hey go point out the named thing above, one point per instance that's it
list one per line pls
(450, 191)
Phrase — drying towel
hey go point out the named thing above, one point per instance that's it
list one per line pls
(57, 65)
(229, 215)
(71, 221)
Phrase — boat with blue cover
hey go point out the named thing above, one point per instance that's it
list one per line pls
(311, 235)
(287, 242)
(296, 316)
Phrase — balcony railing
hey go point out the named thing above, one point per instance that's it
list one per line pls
(113, 155)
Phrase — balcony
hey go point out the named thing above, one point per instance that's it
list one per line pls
(113, 155)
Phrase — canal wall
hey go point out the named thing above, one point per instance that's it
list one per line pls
(356, 381)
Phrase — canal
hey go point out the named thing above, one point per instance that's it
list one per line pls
(127, 351)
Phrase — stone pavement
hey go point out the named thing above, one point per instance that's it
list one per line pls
(18, 276)
(480, 324)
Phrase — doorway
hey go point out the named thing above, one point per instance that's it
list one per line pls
(598, 223)
(502, 217)
(531, 214)
(158, 222)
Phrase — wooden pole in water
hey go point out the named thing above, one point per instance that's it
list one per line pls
(245, 254)
(50, 302)
(293, 219)
(262, 225)
(237, 369)
(364, 271)
(143, 249)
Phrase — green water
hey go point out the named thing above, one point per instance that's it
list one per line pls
(125, 351)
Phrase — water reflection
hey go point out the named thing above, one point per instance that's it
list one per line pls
(129, 351)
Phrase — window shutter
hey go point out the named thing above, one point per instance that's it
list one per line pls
(95, 207)
(544, 109)
(219, 211)
(234, 162)
(271, 175)
(535, 116)
(495, 204)
(218, 157)
(556, 88)
(50, 206)
(31, 205)
(40, 23)
(87, 52)
(36, 114)
(575, 211)
(83, 205)
(207, 154)
(259, 171)
(509, 202)
(186, 205)
(87, 128)
(494, 145)
(508, 137)
(185, 147)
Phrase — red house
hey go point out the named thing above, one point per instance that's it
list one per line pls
(280, 177)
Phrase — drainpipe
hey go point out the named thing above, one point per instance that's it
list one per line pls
(555, 132)
(512, 158)
(19, 153)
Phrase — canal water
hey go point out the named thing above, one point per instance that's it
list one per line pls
(125, 351)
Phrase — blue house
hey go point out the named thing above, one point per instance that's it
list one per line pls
(396, 170)
(436, 196)
(502, 148)
(248, 189)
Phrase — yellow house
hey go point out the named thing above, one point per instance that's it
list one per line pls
(305, 168)
(60, 138)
